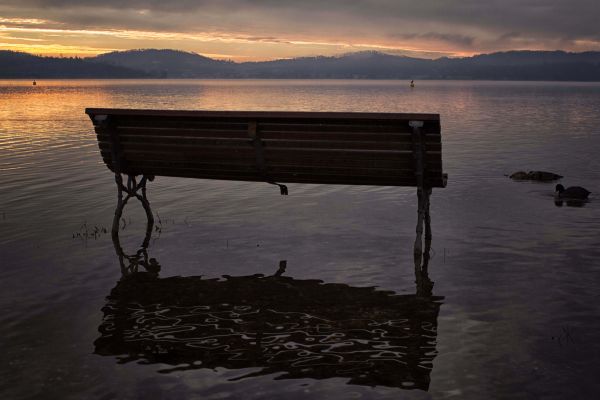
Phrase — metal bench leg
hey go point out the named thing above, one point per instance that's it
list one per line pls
(120, 205)
(427, 217)
(133, 189)
(422, 250)
(146, 203)
(421, 217)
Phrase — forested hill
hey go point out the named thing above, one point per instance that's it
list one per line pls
(15, 65)
(169, 63)
(152, 63)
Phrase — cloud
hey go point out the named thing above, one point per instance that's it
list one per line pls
(448, 38)
(22, 21)
(431, 26)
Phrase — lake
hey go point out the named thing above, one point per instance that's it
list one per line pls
(249, 294)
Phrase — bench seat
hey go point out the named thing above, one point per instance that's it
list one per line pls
(287, 147)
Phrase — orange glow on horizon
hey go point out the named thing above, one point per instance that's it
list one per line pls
(53, 40)
(49, 38)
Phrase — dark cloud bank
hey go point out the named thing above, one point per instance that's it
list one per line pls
(484, 25)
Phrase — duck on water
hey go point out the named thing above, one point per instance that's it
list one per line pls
(572, 192)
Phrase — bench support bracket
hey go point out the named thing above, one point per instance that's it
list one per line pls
(132, 189)
(260, 157)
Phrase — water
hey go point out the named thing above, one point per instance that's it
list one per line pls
(515, 306)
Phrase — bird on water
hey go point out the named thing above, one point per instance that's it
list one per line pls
(572, 192)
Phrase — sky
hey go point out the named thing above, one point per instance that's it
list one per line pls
(250, 30)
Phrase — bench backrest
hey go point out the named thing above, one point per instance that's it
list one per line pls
(295, 147)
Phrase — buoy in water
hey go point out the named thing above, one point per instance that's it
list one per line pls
(34, 83)
(412, 84)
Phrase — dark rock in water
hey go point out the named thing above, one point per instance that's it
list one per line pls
(520, 176)
(541, 176)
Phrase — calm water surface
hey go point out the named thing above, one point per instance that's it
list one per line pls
(515, 307)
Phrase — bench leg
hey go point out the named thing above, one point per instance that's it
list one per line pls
(427, 217)
(423, 218)
(120, 205)
(133, 189)
(422, 250)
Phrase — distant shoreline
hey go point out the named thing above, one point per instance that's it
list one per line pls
(536, 66)
(41, 80)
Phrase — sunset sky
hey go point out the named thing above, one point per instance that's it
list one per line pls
(243, 30)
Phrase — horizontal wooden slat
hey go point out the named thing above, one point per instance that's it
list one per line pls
(180, 140)
(293, 126)
(346, 136)
(348, 162)
(283, 177)
(208, 143)
(199, 132)
(168, 152)
(344, 145)
(272, 159)
(434, 181)
(325, 127)
(232, 115)
(266, 135)
(222, 166)
(295, 155)
(131, 123)
(350, 122)
(282, 168)
(284, 125)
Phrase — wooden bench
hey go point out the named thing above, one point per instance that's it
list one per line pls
(385, 149)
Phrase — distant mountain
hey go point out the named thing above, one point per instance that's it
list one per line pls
(524, 65)
(152, 63)
(534, 58)
(363, 65)
(15, 65)
(168, 63)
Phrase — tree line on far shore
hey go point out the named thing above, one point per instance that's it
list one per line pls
(153, 63)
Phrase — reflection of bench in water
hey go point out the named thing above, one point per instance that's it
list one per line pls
(285, 326)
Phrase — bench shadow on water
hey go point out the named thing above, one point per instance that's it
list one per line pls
(293, 328)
